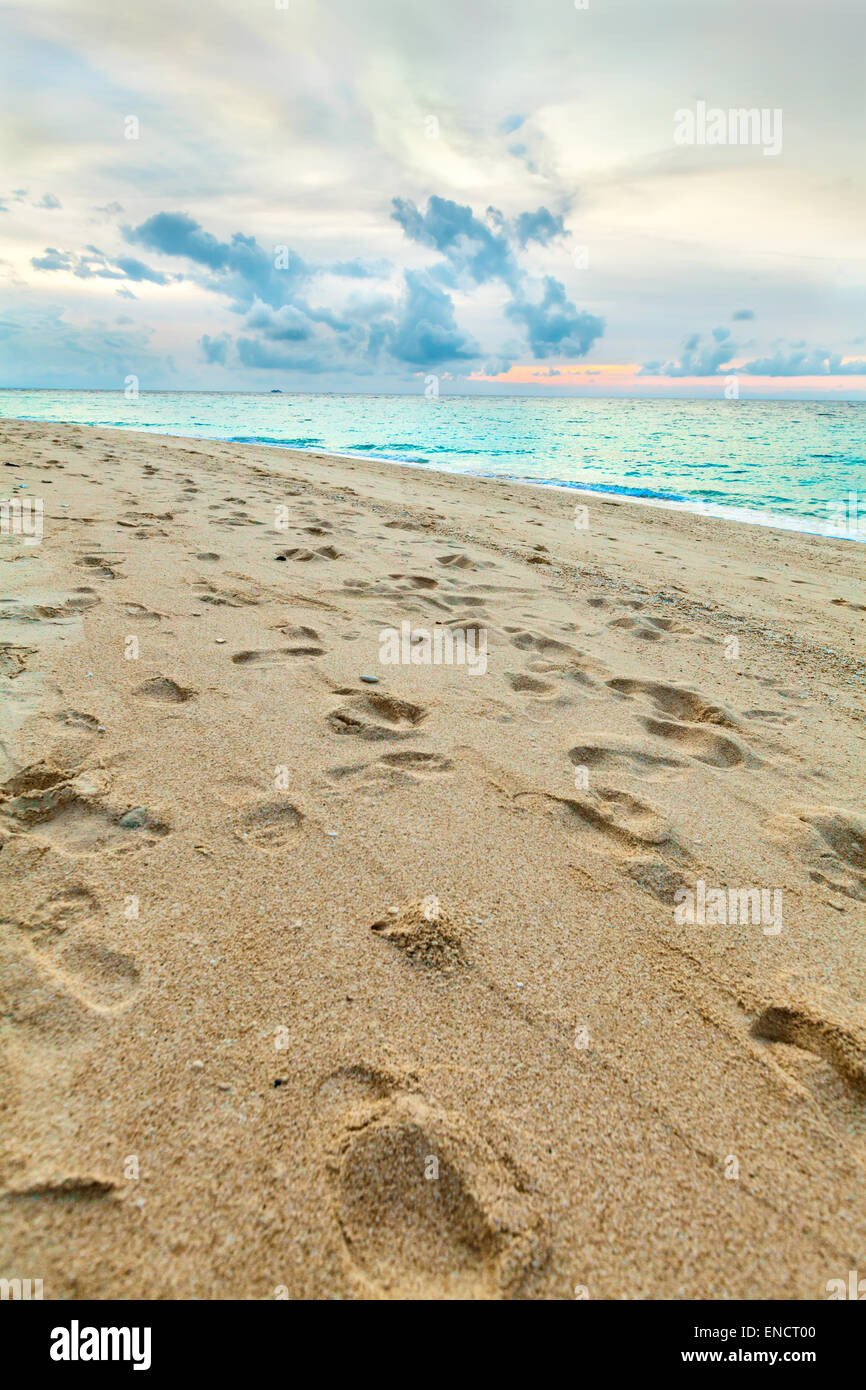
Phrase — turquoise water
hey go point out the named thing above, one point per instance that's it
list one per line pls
(799, 464)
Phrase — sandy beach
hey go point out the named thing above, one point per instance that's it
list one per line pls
(415, 986)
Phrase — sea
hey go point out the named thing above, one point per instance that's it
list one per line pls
(799, 465)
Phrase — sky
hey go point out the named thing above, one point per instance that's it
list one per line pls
(547, 197)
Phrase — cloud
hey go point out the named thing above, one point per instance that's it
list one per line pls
(700, 356)
(215, 349)
(554, 326)
(137, 270)
(41, 347)
(54, 260)
(739, 314)
(49, 201)
(712, 356)
(804, 361)
(247, 272)
(270, 356)
(287, 324)
(272, 290)
(483, 251)
(426, 334)
(472, 248)
(541, 226)
(359, 270)
(94, 264)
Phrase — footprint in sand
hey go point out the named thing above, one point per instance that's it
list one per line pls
(247, 596)
(104, 566)
(271, 825)
(550, 654)
(630, 830)
(416, 763)
(830, 842)
(530, 685)
(49, 609)
(424, 1208)
(688, 720)
(282, 656)
(58, 967)
(459, 561)
(14, 660)
(675, 701)
(718, 750)
(138, 610)
(415, 581)
(391, 772)
(165, 691)
(70, 816)
(78, 719)
(295, 633)
(610, 754)
(74, 1188)
(377, 716)
(845, 603)
(827, 1026)
(648, 628)
(615, 815)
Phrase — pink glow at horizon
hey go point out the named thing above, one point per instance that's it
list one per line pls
(627, 377)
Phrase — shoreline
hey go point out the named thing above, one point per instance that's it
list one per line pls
(748, 516)
(364, 979)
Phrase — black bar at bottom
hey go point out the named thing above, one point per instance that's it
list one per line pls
(135, 1338)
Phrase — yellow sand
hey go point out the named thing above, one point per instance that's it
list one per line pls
(529, 1080)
